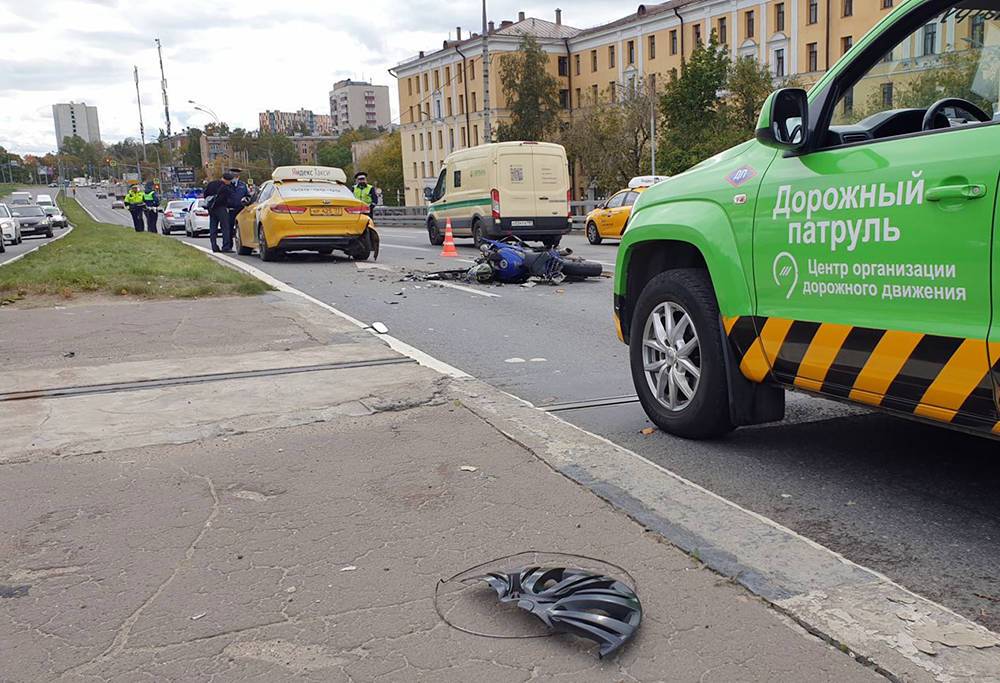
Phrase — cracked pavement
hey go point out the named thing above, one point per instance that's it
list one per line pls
(295, 526)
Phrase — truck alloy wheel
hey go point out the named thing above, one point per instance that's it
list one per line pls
(671, 356)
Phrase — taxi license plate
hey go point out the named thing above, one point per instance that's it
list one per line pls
(326, 211)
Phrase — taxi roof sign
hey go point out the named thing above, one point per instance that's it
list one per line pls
(646, 181)
(326, 173)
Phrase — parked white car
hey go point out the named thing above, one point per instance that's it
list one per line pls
(44, 200)
(197, 219)
(9, 226)
(174, 216)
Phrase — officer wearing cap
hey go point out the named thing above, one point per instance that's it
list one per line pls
(365, 192)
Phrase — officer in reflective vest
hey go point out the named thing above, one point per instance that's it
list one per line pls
(365, 192)
(135, 203)
(151, 200)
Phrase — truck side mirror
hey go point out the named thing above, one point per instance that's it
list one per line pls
(428, 194)
(784, 120)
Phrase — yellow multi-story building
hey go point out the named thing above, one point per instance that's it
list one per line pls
(441, 92)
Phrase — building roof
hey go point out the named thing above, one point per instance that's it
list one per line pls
(642, 12)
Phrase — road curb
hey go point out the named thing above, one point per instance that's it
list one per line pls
(902, 635)
(32, 251)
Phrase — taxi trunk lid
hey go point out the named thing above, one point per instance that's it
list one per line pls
(328, 209)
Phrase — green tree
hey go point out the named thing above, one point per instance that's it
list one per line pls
(532, 93)
(192, 151)
(747, 86)
(334, 154)
(384, 166)
(694, 121)
(276, 149)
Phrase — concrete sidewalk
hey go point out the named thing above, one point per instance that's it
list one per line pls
(159, 519)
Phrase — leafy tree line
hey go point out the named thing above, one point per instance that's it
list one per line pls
(707, 105)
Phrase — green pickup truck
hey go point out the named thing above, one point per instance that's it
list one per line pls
(848, 251)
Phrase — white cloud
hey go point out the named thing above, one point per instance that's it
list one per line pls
(238, 58)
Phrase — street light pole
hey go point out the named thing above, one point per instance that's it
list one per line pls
(202, 108)
(487, 127)
(138, 100)
(652, 123)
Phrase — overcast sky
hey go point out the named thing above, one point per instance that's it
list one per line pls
(238, 58)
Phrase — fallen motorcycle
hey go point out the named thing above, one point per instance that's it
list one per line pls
(511, 260)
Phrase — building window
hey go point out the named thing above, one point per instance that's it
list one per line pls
(432, 168)
(887, 95)
(423, 169)
(849, 102)
(475, 134)
(472, 70)
(631, 51)
(564, 98)
(579, 102)
(813, 16)
(447, 75)
(593, 60)
(723, 32)
(425, 83)
(564, 66)
(440, 139)
(613, 91)
(749, 24)
(611, 56)
(779, 62)
(473, 102)
(930, 38)
(576, 64)
(652, 47)
(779, 17)
(421, 142)
(415, 170)
(465, 139)
(845, 44)
(413, 143)
(409, 86)
(437, 79)
(696, 33)
(886, 4)
(411, 114)
(812, 57)
(673, 42)
(459, 72)
(593, 92)
(848, 8)
(450, 113)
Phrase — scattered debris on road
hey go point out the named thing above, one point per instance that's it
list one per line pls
(468, 468)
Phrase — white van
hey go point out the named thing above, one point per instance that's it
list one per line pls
(505, 188)
(44, 200)
(21, 199)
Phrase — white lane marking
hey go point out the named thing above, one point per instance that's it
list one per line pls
(461, 288)
(34, 249)
(396, 344)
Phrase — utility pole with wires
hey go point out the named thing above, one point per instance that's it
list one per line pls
(163, 86)
(142, 129)
(487, 127)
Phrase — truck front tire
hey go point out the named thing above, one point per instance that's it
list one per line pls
(677, 355)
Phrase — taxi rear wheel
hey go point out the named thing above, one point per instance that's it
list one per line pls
(240, 249)
(677, 357)
(593, 235)
(434, 234)
(266, 253)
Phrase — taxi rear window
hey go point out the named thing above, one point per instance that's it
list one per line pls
(319, 190)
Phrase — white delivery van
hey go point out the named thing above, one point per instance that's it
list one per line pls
(505, 188)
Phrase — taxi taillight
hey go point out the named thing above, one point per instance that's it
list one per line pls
(356, 209)
(288, 208)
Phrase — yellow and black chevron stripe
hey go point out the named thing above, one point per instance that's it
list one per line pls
(946, 379)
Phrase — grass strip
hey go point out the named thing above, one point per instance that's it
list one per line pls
(111, 259)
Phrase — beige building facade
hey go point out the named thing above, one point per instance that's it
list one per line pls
(359, 104)
(441, 94)
(292, 122)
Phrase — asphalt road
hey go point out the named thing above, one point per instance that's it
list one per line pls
(916, 502)
(30, 241)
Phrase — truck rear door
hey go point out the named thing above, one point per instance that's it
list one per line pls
(515, 180)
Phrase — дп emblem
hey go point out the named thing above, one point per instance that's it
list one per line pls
(741, 175)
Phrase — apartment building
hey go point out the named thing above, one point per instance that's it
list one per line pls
(440, 91)
(358, 104)
(303, 121)
(76, 119)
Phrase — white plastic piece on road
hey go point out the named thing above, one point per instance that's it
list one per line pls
(515, 359)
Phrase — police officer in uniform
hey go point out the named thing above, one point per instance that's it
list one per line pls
(136, 205)
(238, 199)
(365, 192)
(151, 202)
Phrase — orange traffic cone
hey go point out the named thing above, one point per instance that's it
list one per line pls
(449, 250)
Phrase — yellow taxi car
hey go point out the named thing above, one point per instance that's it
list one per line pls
(608, 220)
(306, 208)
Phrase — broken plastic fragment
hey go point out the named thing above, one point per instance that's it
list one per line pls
(468, 468)
(348, 568)
(380, 328)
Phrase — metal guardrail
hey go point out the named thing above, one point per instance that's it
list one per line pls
(416, 216)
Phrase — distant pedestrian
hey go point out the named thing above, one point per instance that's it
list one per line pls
(218, 196)
(365, 192)
(240, 192)
(151, 201)
(136, 205)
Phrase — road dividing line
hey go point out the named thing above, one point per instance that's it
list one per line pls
(395, 344)
(30, 251)
(461, 288)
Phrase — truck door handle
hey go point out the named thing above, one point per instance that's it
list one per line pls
(936, 194)
(543, 199)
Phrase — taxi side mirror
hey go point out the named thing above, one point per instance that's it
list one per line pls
(784, 120)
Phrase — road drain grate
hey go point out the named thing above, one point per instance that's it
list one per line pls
(137, 385)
